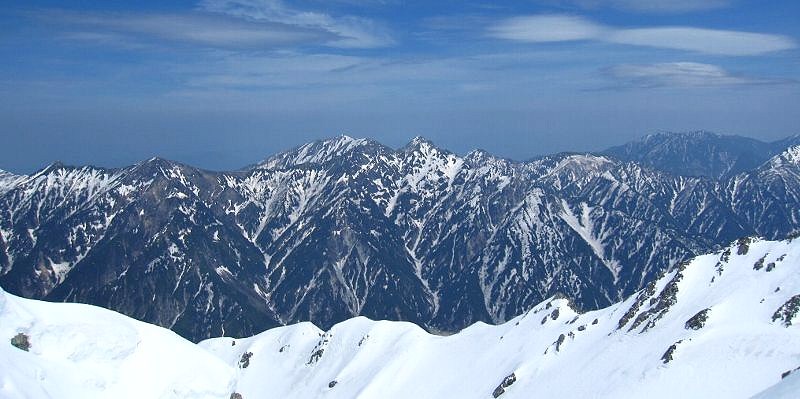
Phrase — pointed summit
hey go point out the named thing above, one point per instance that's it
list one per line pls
(54, 166)
(155, 162)
(424, 146)
(419, 141)
(319, 151)
(789, 157)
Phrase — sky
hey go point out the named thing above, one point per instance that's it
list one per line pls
(221, 84)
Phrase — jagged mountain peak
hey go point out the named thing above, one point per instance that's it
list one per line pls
(418, 141)
(52, 167)
(480, 157)
(791, 155)
(320, 151)
(782, 165)
(478, 154)
(586, 161)
(160, 166)
(425, 147)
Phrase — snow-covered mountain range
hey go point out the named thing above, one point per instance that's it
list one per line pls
(724, 324)
(345, 227)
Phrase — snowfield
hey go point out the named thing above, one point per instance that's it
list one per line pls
(722, 325)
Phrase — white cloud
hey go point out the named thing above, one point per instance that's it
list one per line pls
(711, 41)
(679, 74)
(347, 31)
(558, 28)
(547, 28)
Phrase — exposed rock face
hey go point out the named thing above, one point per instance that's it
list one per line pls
(21, 341)
(346, 227)
(668, 355)
(501, 389)
(788, 373)
(787, 312)
(244, 362)
(697, 321)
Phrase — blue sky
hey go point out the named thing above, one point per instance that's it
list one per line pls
(223, 83)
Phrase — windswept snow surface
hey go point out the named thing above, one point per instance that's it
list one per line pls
(722, 325)
(81, 351)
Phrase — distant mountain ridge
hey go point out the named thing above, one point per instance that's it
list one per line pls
(700, 153)
(344, 227)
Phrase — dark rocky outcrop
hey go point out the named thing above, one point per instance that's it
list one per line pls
(743, 245)
(319, 349)
(759, 263)
(788, 372)
(559, 342)
(787, 311)
(660, 305)
(649, 290)
(668, 355)
(501, 389)
(244, 362)
(21, 341)
(697, 321)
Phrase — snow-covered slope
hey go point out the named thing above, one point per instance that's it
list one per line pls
(788, 388)
(721, 325)
(81, 351)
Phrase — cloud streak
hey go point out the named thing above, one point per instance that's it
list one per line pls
(347, 31)
(563, 28)
(193, 28)
(680, 74)
(652, 6)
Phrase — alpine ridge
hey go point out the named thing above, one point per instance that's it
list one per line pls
(345, 227)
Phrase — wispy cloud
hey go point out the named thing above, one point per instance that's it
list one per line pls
(711, 41)
(194, 28)
(651, 6)
(680, 74)
(347, 31)
(559, 28)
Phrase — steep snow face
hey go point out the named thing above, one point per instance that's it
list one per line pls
(721, 325)
(317, 152)
(8, 181)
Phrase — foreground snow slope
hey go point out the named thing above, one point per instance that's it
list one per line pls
(555, 352)
(81, 351)
(722, 325)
